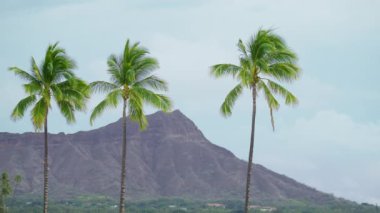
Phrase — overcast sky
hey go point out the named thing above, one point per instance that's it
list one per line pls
(331, 141)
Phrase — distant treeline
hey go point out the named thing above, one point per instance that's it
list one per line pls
(102, 204)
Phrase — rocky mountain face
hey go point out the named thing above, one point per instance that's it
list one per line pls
(171, 158)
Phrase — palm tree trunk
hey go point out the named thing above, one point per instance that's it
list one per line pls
(14, 195)
(2, 204)
(250, 164)
(123, 161)
(46, 167)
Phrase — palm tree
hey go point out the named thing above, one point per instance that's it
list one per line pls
(17, 180)
(6, 190)
(263, 58)
(131, 83)
(53, 79)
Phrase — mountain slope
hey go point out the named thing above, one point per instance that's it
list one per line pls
(171, 158)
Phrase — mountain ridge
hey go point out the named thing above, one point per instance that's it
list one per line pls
(172, 158)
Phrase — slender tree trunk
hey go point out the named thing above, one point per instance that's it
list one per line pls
(250, 164)
(2, 204)
(14, 195)
(46, 167)
(123, 161)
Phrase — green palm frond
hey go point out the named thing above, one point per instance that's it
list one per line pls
(270, 99)
(67, 110)
(111, 100)
(57, 65)
(19, 111)
(115, 69)
(75, 97)
(229, 101)
(157, 100)
(22, 74)
(57, 92)
(219, 70)
(290, 99)
(283, 71)
(73, 91)
(242, 49)
(144, 67)
(136, 112)
(36, 70)
(102, 86)
(39, 113)
(245, 77)
(281, 56)
(33, 88)
(152, 82)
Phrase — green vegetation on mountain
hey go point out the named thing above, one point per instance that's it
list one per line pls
(102, 204)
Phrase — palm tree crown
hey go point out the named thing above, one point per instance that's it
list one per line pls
(264, 59)
(53, 79)
(132, 81)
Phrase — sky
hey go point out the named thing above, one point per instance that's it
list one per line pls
(330, 141)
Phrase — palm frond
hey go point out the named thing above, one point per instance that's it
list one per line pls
(290, 99)
(67, 110)
(157, 100)
(22, 74)
(242, 49)
(270, 99)
(115, 69)
(229, 101)
(36, 70)
(246, 76)
(76, 98)
(19, 111)
(283, 71)
(39, 113)
(280, 56)
(73, 90)
(33, 88)
(102, 86)
(111, 100)
(219, 70)
(144, 67)
(136, 110)
(57, 91)
(153, 82)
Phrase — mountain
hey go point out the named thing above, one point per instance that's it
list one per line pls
(172, 158)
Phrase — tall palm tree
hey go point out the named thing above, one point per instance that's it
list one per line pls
(131, 84)
(17, 180)
(53, 79)
(263, 58)
(5, 191)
